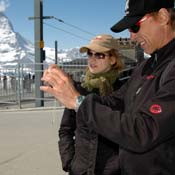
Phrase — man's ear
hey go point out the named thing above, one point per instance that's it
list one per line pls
(163, 16)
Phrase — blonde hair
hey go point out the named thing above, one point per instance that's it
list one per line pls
(118, 65)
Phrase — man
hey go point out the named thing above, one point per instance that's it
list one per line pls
(144, 123)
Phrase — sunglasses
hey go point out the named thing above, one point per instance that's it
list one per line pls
(136, 27)
(96, 55)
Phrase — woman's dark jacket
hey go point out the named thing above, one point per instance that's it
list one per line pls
(144, 124)
(82, 151)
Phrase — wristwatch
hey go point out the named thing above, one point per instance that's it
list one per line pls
(79, 100)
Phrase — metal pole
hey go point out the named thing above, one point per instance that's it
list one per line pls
(19, 86)
(39, 44)
(56, 53)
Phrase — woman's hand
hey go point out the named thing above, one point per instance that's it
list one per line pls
(60, 85)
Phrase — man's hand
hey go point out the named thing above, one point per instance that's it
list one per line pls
(60, 86)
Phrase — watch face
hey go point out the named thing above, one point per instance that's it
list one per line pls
(79, 100)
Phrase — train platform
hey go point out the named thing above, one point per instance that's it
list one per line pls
(29, 142)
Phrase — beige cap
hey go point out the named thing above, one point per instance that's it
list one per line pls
(101, 43)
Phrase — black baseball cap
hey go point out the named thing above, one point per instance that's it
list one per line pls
(136, 9)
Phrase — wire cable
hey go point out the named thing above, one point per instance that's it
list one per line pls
(71, 25)
(50, 25)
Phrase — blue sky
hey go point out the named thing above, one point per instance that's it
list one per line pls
(94, 16)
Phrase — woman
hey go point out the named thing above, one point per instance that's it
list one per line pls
(84, 152)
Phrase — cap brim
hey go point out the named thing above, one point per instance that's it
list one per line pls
(94, 47)
(125, 23)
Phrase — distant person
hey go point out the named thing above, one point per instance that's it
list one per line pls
(27, 82)
(87, 152)
(13, 83)
(5, 82)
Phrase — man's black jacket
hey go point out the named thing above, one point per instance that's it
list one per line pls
(144, 123)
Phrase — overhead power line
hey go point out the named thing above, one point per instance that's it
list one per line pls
(61, 21)
(71, 25)
(50, 25)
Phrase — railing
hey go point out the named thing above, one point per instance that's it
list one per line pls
(17, 84)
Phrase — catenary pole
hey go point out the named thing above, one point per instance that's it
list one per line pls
(39, 53)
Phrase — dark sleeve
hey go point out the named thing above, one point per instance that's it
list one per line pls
(67, 133)
(137, 130)
(66, 138)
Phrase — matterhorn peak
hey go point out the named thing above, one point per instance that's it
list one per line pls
(5, 23)
(13, 47)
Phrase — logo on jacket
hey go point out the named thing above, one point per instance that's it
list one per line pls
(149, 77)
(155, 109)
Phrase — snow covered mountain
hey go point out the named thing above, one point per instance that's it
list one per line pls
(66, 55)
(16, 49)
(13, 47)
